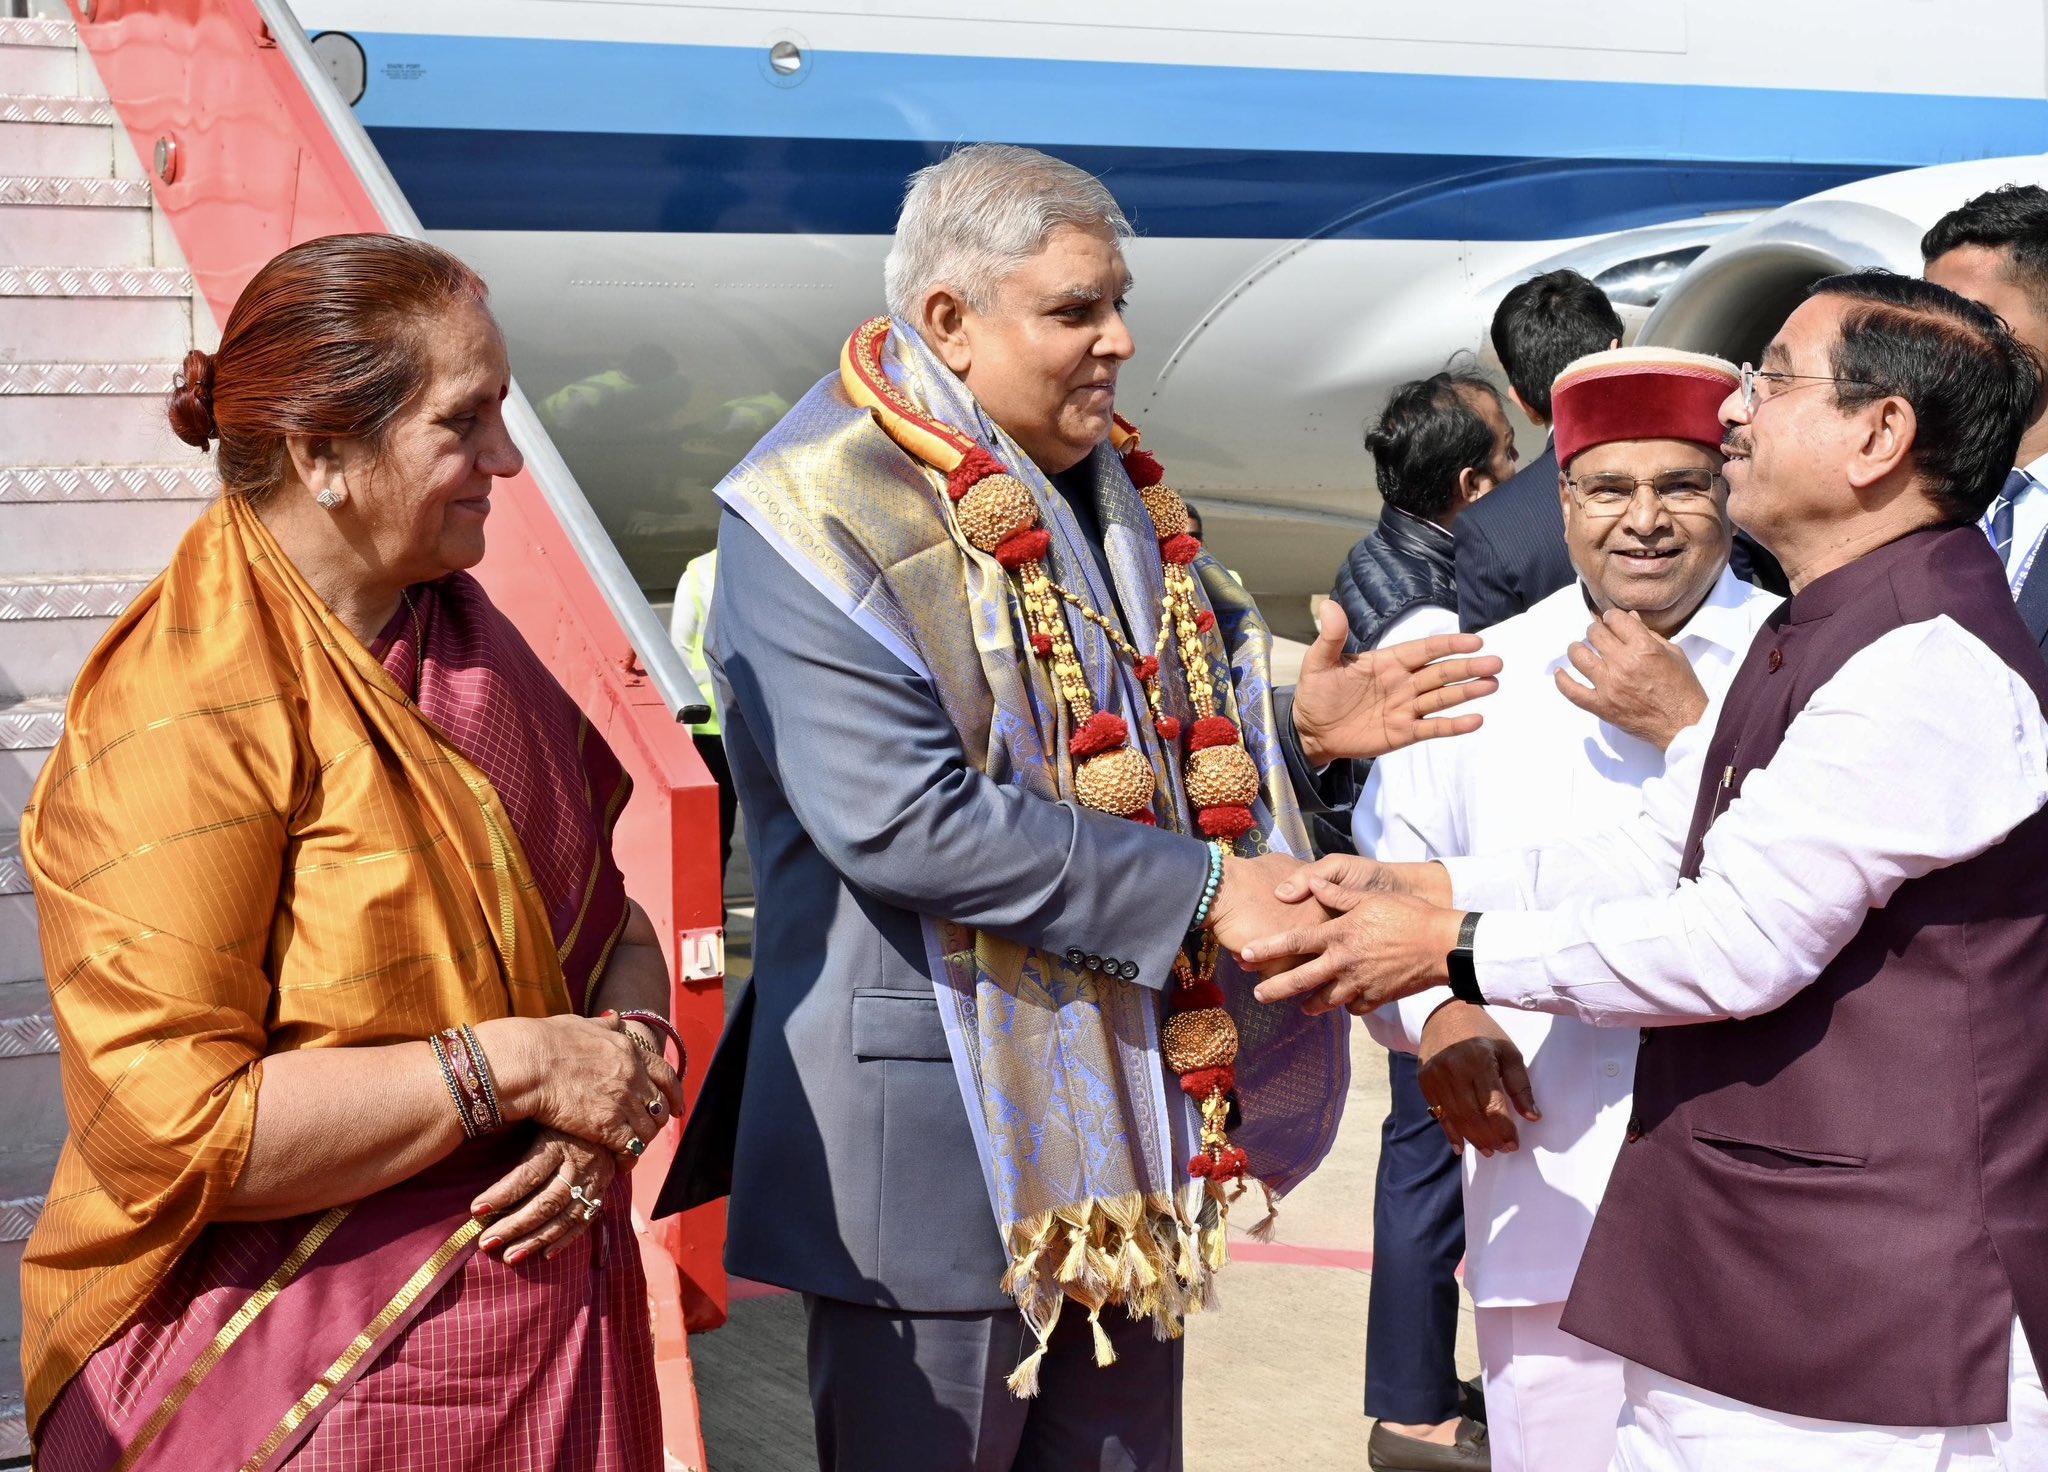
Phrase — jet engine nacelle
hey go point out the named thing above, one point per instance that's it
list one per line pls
(1738, 293)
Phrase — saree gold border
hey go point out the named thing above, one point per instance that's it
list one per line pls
(258, 1301)
(363, 1343)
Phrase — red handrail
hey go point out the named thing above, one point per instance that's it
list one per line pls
(245, 163)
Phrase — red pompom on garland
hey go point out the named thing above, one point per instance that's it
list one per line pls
(1182, 549)
(1144, 816)
(977, 465)
(1103, 731)
(1195, 996)
(1200, 1083)
(1168, 728)
(1227, 822)
(1041, 645)
(1226, 1164)
(1146, 668)
(1143, 469)
(1212, 731)
(1204, 621)
(1019, 548)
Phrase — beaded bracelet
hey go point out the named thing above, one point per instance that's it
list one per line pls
(1215, 882)
(476, 1096)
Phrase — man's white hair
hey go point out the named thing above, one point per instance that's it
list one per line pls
(975, 216)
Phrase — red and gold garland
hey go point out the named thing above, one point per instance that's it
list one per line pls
(997, 514)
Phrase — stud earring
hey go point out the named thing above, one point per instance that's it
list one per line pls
(329, 499)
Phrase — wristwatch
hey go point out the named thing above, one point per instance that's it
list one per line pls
(1464, 977)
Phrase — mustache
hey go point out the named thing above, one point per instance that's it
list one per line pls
(1734, 444)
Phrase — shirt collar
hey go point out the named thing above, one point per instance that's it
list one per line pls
(1725, 618)
(2037, 471)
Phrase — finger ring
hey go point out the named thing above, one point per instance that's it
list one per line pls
(1436, 1111)
(635, 1147)
(587, 1205)
(654, 1106)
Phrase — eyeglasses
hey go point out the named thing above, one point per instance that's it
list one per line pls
(1681, 492)
(1751, 376)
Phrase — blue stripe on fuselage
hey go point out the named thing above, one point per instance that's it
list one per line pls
(496, 82)
(498, 179)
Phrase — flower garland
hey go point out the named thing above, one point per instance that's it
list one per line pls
(996, 514)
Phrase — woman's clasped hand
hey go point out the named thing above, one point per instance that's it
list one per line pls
(595, 1094)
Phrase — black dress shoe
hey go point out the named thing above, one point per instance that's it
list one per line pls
(1389, 1451)
(1472, 1400)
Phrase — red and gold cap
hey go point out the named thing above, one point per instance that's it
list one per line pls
(1640, 394)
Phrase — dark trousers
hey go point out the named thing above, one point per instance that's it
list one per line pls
(1418, 1235)
(712, 750)
(902, 1392)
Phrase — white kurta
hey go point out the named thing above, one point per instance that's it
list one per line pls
(1791, 869)
(1539, 770)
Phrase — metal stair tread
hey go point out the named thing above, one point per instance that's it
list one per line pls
(86, 378)
(75, 483)
(74, 191)
(30, 107)
(89, 595)
(57, 34)
(95, 281)
(31, 723)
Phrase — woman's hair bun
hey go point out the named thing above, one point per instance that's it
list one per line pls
(192, 401)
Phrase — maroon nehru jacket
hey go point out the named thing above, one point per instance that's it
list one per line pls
(1835, 1209)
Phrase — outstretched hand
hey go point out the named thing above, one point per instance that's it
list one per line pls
(1430, 881)
(1376, 948)
(1366, 705)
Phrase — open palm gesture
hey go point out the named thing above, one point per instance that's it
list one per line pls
(1366, 705)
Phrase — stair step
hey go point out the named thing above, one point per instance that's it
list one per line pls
(80, 222)
(87, 538)
(75, 483)
(20, 946)
(39, 56)
(53, 624)
(57, 135)
(28, 729)
(68, 192)
(93, 314)
(48, 411)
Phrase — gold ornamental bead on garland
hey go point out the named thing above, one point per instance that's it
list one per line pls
(1169, 512)
(1222, 776)
(996, 507)
(1203, 1039)
(1119, 781)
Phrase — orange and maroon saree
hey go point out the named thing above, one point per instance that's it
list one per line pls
(257, 835)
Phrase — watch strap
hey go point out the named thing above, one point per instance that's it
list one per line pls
(1464, 975)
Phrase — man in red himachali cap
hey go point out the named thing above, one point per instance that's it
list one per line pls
(1542, 1100)
(1824, 1241)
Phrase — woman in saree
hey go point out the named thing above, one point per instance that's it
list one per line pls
(360, 1032)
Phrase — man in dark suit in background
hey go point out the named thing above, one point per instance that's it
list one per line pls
(1994, 250)
(1510, 549)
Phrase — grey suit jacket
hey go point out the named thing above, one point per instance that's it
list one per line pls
(830, 1109)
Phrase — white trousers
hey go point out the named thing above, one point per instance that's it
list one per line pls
(1670, 1426)
(1552, 1400)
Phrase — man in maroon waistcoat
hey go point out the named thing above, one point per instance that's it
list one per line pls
(1825, 1243)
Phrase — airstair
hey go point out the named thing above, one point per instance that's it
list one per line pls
(96, 310)
(111, 269)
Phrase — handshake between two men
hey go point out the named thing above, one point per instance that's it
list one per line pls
(1347, 931)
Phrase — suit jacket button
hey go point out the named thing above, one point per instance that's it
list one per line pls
(1635, 1129)
(1129, 971)
(1093, 962)
(1076, 956)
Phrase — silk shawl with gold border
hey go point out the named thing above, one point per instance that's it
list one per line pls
(1083, 1136)
(246, 841)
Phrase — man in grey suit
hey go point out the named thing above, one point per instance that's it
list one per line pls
(1993, 249)
(856, 1110)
